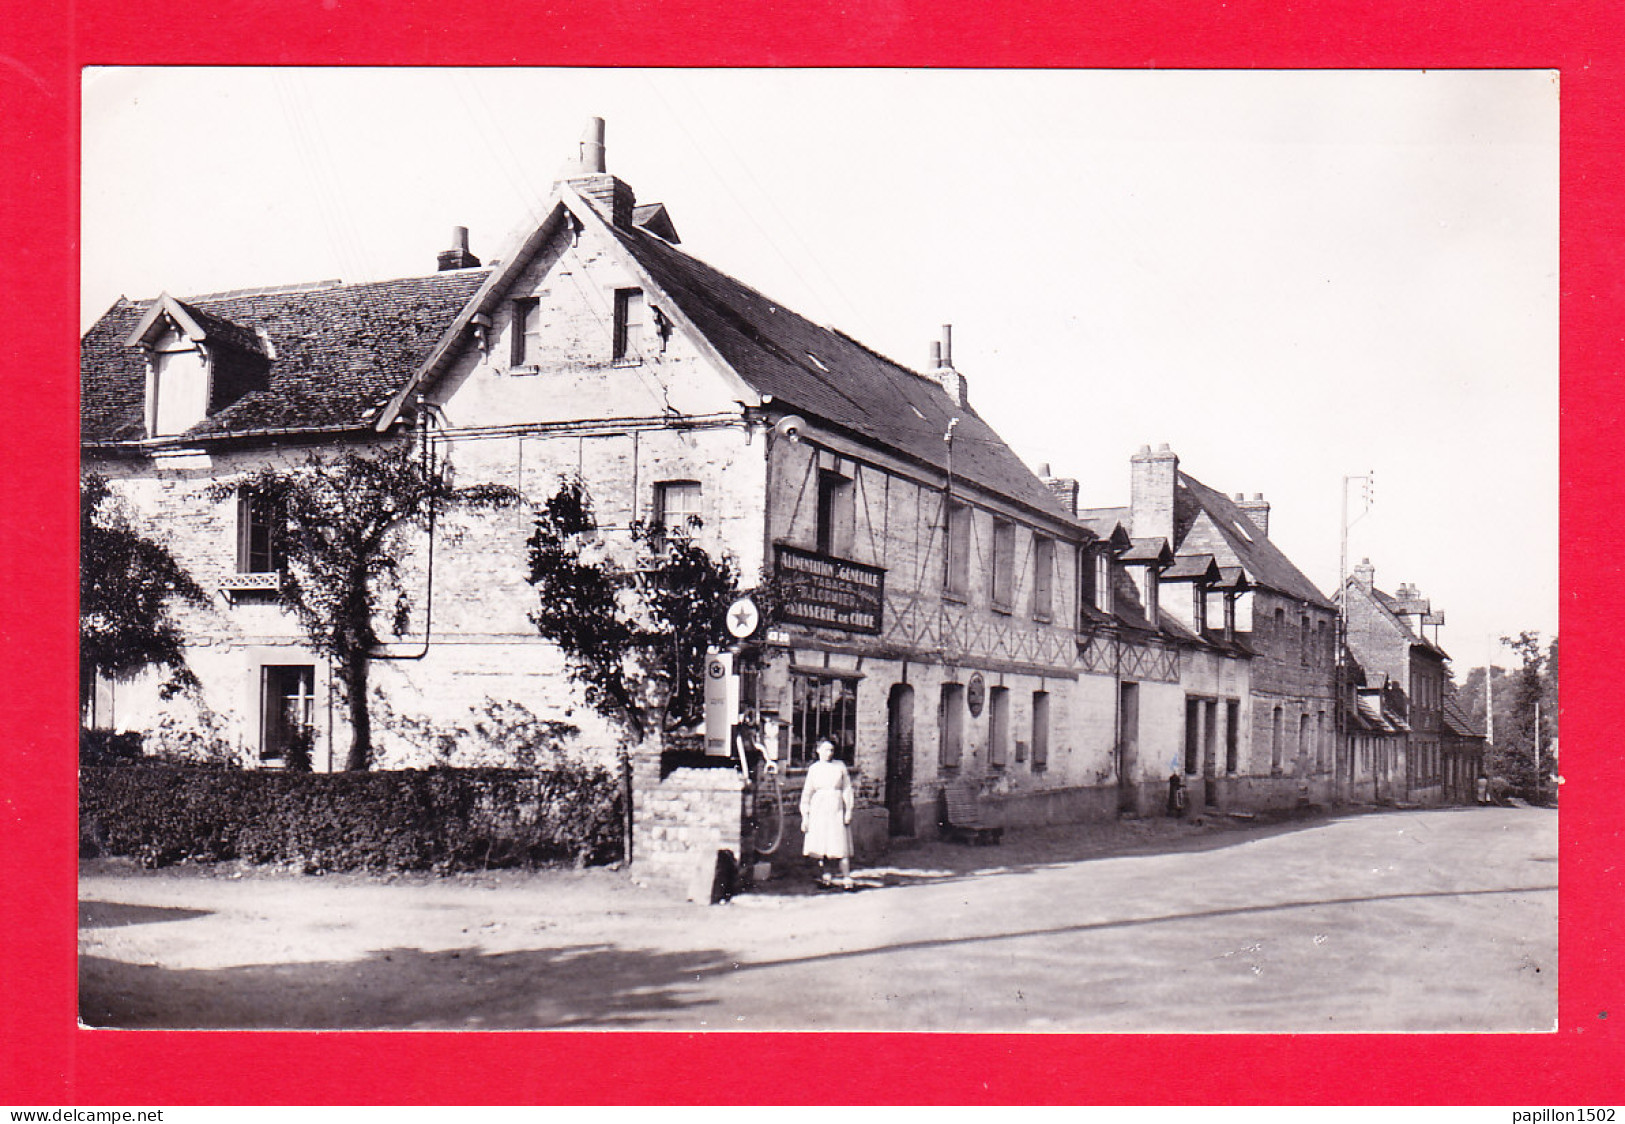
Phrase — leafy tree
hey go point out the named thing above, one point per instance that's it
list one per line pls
(627, 625)
(1530, 686)
(1470, 696)
(344, 524)
(127, 584)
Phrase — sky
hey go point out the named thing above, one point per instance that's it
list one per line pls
(1289, 277)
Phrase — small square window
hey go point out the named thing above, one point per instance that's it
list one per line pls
(677, 504)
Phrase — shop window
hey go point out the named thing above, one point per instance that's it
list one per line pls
(822, 706)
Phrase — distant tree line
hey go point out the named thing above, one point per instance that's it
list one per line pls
(1520, 692)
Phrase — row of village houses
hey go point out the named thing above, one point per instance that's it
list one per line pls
(971, 623)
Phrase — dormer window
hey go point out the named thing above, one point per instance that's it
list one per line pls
(1103, 580)
(177, 385)
(197, 364)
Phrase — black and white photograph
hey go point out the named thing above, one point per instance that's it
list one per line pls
(994, 551)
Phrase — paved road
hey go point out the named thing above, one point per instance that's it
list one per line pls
(1393, 921)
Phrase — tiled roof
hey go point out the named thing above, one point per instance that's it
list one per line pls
(831, 377)
(1103, 520)
(1262, 560)
(1146, 550)
(1457, 722)
(1193, 566)
(340, 351)
(221, 330)
(1378, 715)
(1389, 606)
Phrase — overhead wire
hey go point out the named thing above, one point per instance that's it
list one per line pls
(316, 159)
(725, 143)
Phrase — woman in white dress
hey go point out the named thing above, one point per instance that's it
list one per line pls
(826, 813)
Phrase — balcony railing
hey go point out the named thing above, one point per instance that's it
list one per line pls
(266, 581)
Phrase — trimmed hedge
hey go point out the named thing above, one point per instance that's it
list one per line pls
(104, 747)
(438, 819)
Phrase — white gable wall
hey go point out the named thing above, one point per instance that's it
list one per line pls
(573, 279)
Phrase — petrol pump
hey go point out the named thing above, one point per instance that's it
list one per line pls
(736, 728)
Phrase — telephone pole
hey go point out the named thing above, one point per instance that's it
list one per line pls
(1340, 683)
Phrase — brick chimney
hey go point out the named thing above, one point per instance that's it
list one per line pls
(1257, 510)
(942, 368)
(458, 256)
(1365, 575)
(1409, 602)
(1063, 488)
(609, 196)
(1152, 478)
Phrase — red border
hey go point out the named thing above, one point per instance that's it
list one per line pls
(47, 1061)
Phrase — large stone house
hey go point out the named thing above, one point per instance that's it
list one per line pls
(945, 615)
(930, 628)
(1388, 636)
(1257, 718)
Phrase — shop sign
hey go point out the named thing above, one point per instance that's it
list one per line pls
(824, 592)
